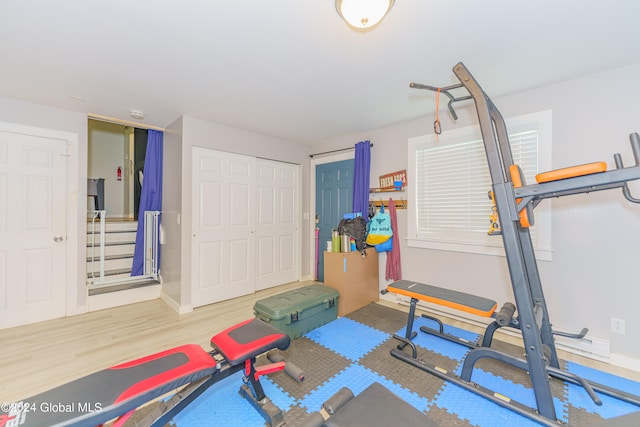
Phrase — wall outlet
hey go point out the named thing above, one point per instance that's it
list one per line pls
(618, 326)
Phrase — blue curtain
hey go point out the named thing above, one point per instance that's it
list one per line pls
(150, 197)
(361, 168)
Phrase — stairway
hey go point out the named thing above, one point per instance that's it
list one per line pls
(120, 238)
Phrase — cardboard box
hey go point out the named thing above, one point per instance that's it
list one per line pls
(354, 277)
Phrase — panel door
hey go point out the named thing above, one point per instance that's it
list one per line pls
(33, 244)
(223, 226)
(277, 242)
(334, 189)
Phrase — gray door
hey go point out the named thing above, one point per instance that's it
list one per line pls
(334, 187)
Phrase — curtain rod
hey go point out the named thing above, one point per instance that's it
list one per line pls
(122, 122)
(335, 151)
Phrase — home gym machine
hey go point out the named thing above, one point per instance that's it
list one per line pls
(514, 203)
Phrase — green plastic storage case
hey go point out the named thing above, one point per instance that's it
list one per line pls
(299, 311)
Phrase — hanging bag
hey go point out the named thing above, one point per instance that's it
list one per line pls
(385, 247)
(379, 228)
(355, 228)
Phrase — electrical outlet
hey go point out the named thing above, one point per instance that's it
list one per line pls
(618, 326)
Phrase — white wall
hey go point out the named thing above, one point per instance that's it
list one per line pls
(595, 238)
(172, 238)
(30, 114)
(180, 137)
(107, 148)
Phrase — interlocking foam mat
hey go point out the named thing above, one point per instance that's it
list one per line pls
(353, 351)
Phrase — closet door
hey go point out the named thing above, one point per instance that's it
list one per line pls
(278, 249)
(223, 251)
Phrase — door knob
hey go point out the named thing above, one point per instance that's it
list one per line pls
(58, 239)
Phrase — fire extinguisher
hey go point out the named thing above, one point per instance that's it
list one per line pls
(119, 173)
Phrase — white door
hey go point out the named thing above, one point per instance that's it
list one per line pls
(33, 235)
(223, 226)
(277, 227)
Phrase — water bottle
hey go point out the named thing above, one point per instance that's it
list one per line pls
(335, 241)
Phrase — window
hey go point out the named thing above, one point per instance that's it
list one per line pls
(450, 204)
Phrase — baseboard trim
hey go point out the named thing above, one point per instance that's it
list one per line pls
(625, 361)
(180, 309)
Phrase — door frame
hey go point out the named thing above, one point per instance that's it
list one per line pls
(72, 291)
(312, 200)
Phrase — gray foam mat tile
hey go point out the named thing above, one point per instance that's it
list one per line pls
(446, 419)
(579, 416)
(382, 318)
(513, 374)
(318, 363)
(424, 384)
(295, 416)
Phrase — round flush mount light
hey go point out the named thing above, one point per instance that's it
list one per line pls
(363, 15)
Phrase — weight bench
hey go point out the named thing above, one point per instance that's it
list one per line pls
(116, 392)
(473, 304)
(376, 406)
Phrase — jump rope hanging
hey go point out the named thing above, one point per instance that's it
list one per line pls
(436, 124)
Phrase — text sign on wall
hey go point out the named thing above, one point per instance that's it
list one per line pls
(387, 180)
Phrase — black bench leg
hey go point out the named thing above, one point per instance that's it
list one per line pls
(409, 333)
(254, 393)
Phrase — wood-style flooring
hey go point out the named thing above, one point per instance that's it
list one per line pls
(37, 357)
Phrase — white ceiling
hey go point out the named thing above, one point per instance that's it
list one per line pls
(291, 68)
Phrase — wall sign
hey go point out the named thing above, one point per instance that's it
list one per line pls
(388, 180)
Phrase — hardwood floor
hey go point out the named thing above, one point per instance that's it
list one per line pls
(37, 357)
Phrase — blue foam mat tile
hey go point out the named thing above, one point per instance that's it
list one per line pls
(279, 397)
(478, 410)
(357, 378)
(611, 407)
(347, 337)
(604, 378)
(439, 345)
(517, 392)
(224, 404)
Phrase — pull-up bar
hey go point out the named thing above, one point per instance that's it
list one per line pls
(445, 90)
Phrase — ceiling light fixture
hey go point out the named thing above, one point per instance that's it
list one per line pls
(363, 15)
(138, 115)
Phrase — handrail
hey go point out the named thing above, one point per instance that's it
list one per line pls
(151, 243)
(102, 215)
(97, 242)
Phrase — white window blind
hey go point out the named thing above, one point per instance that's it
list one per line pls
(452, 184)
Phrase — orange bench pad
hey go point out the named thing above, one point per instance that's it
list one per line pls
(447, 303)
(571, 172)
(516, 179)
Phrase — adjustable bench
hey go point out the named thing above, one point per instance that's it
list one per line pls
(118, 391)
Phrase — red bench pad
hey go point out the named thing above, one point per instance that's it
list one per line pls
(249, 339)
(109, 393)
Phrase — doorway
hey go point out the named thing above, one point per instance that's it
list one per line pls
(333, 198)
(116, 161)
(116, 155)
